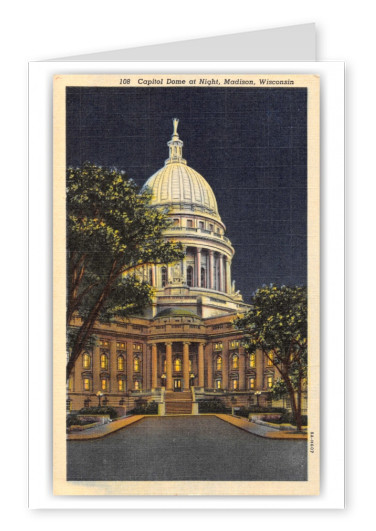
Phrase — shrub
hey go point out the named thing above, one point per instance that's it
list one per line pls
(73, 420)
(144, 408)
(214, 405)
(103, 410)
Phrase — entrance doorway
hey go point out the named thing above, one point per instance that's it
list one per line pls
(177, 385)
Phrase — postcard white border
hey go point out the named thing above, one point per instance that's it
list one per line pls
(40, 358)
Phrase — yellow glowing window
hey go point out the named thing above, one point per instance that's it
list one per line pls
(121, 385)
(164, 366)
(218, 346)
(218, 384)
(219, 363)
(136, 364)
(86, 361)
(86, 384)
(104, 384)
(137, 385)
(120, 363)
(105, 343)
(234, 344)
(235, 362)
(104, 362)
(101, 342)
(270, 382)
(177, 365)
(270, 359)
(190, 366)
(136, 346)
(235, 384)
(70, 384)
(252, 360)
(120, 345)
(251, 383)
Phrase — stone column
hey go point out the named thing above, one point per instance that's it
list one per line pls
(209, 365)
(186, 365)
(201, 368)
(113, 367)
(153, 275)
(221, 275)
(96, 370)
(154, 371)
(198, 267)
(129, 365)
(259, 370)
(228, 274)
(224, 369)
(211, 269)
(168, 366)
(241, 370)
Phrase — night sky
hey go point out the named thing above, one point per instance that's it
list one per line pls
(250, 144)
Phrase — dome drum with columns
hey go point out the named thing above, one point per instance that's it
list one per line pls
(185, 348)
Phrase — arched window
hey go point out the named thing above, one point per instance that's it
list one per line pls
(235, 361)
(252, 360)
(164, 276)
(218, 363)
(120, 363)
(86, 361)
(203, 277)
(136, 364)
(177, 365)
(190, 276)
(104, 362)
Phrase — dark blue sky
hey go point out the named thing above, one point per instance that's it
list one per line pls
(250, 144)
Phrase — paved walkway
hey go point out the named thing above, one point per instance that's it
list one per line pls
(185, 448)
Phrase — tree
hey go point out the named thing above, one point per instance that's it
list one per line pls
(277, 325)
(111, 233)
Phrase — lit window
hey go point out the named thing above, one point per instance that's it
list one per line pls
(136, 346)
(120, 345)
(190, 276)
(104, 362)
(218, 346)
(190, 366)
(235, 361)
(218, 384)
(137, 385)
(251, 383)
(270, 359)
(70, 383)
(120, 364)
(164, 276)
(234, 344)
(252, 360)
(177, 365)
(219, 363)
(164, 366)
(86, 384)
(234, 384)
(121, 385)
(86, 361)
(104, 384)
(136, 364)
(270, 382)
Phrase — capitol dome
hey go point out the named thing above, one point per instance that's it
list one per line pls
(178, 186)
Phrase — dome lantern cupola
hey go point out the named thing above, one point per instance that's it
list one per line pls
(175, 146)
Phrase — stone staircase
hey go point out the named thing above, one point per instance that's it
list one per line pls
(178, 403)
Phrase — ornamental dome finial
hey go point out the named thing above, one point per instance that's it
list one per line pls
(175, 146)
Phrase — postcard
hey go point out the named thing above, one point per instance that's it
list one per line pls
(186, 284)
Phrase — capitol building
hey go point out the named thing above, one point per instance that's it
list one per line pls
(185, 347)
